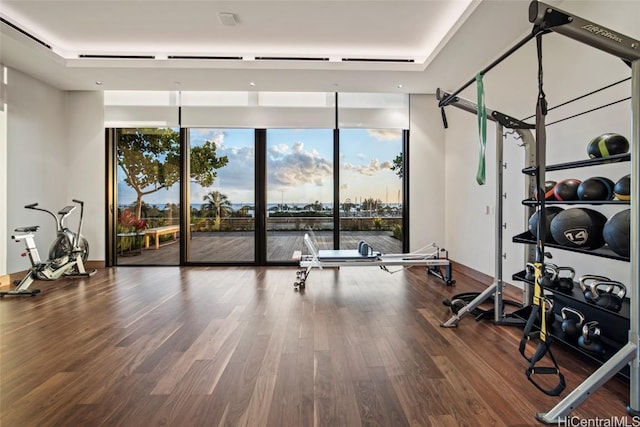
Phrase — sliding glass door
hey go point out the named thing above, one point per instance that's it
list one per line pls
(299, 190)
(222, 219)
(371, 199)
(147, 217)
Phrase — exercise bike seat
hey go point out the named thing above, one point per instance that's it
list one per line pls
(27, 229)
(66, 210)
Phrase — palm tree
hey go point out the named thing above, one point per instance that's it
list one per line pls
(218, 203)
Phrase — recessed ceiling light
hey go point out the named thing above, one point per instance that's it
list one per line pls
(252, 83)
(400, 86)
(99, 83)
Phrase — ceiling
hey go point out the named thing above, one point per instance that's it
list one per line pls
(294, 45)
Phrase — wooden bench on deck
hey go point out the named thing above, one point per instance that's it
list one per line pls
(160, 231)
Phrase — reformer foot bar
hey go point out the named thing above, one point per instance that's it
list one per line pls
(369, 258)
(550, 19)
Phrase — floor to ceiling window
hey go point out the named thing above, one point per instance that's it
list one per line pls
(240, 177)
(371, 207)
(299, 189)
(148, 196)
(222, 204)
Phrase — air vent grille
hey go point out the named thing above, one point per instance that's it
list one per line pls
(31, 36)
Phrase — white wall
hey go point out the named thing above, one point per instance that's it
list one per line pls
(86, 160)
(55, 152)
(3, 180)
(570, 70)
(426, 173)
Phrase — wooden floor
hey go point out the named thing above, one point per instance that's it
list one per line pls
(235, 346)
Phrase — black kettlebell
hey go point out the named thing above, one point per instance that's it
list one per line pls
(565, 283)
(609, 294)
(571, 327)
(586, 282)
(549, 278)
(590, 338)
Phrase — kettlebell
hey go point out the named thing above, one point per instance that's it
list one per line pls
(530, 271)
(609, 294)
(590, 338)
(565, 283)
(585, 282)
(548, 310)
(571, 327)
(549, 278)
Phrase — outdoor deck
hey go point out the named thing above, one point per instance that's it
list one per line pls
(211, 247)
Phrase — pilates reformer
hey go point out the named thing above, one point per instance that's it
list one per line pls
(365, 256)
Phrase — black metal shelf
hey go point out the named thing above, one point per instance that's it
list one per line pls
(534, 202)
(577, 296)
(603, 252)
(581, 163)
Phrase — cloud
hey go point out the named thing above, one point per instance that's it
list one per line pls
(371, 169)
(386, 134)
(295, 166)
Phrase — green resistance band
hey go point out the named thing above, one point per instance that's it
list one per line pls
(482, 131)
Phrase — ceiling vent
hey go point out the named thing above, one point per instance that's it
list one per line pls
(21, 31)
(89, 56)
(376, 60)
(215, 58)
(288, 58)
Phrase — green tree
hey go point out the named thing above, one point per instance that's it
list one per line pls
(397, 165)
(150, 160)
(371, 204)
(218, 203)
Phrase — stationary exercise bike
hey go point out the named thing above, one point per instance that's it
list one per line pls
(67, 254)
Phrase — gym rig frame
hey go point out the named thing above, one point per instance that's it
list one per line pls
(547, 19)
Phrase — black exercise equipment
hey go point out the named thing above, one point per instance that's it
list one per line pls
(607, 144)
(590, 338)
(549, 212)
(565, 283)
(616, 233)
(622, 188)
(579, 228)
(586, 283)
(609, 294)
(566, 190)
(597, 188)
(571, 325)
(459, 301)
(549, 194)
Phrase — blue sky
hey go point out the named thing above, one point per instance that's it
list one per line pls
(299, 166)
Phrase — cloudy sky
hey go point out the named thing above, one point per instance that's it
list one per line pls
(299, 166)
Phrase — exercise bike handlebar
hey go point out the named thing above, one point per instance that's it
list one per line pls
(80, 202)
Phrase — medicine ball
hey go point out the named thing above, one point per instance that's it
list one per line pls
(607, 144)
(622, 189)
(579, 228)
(596, 188)
(567, 189)
(550, 213)
(548, 191)
(616, 233)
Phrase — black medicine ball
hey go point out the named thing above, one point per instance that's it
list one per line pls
(579, 228)
(548, 191)
(596, 188)
(607, 144)
(616, 233)
(550, 213)
(566, 190)
(622, 189)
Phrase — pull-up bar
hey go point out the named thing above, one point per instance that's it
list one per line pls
(546, 18)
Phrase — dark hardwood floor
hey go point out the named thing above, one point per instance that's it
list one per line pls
(209, 346)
